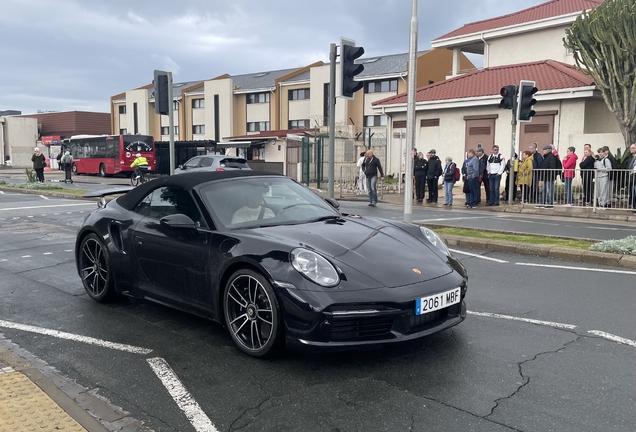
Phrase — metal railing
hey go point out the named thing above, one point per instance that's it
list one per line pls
(599, 189)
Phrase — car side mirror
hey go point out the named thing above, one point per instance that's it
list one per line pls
(180, 167)
(333, 203)
(178, 221)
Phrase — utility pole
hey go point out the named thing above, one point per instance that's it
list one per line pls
(410, 119)
(171, 123)
(511, 173)
(332, 117)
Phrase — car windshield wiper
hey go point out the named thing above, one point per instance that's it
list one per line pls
(326, 218)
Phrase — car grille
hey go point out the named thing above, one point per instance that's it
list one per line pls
(415, 323)
(361, 328)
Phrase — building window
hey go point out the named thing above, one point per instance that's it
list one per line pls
(122, 109)
(299, 124)
(165, 130)
(198, 103)
(429, 122)
(198, 129)
(253, 98)
(380, 86)
(123, 131)
(300, 94)
(431, 82)
(377, 120)
(257, 126)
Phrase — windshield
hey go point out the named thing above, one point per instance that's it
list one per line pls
(251, 202)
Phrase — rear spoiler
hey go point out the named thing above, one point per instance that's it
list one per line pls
(105, 192)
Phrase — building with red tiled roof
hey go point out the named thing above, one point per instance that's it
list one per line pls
(463, 111)
(532, 34)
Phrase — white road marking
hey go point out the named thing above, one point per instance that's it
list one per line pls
(533, 222)
(26, 256)
(74, 337)
(68, 250)
(181, 396)
(4, 260)
(528, 320)
(39, 207)
(44, 197)
(613, 338)
(455, 218)
(577, 268)
(47, 253)
(30, 216)
(478, 256)
(17, 217)
(611, 229)
(1, 193)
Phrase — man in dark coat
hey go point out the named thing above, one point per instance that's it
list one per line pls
(548, 175)
(371, 166)
(419, 171)
(433, 172)
(483, 172)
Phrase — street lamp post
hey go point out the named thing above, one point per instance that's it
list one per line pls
(410, 119)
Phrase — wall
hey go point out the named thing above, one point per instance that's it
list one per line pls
(293, 109)
(448, 138)
(435, 65)
(318, 77)
(529, 47)
(20, 137)
(599, 119)
(223, 88)
(240, 116)
(139, 96)
(612, 140)
(258, 112)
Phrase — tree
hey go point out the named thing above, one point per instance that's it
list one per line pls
(603, 41)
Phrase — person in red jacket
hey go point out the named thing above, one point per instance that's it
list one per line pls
(569, 166)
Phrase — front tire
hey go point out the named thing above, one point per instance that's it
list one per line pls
(252, 315)
(102, 170)
(134, 181)
(94, 264)
(74, 169)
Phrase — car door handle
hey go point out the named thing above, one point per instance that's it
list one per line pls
(139, 240)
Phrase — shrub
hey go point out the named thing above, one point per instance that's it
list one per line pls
(626, 246)
(31, 176)
(38, 186)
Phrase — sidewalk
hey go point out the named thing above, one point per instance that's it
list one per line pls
(37, 398)
(458, 205)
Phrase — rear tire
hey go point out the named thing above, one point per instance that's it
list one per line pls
(74, 169)
(102, 170)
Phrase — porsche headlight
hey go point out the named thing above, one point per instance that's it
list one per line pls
(314, 267)
(435, 240)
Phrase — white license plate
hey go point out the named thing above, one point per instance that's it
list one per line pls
(438, 301)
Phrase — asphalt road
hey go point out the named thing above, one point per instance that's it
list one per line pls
(490, 373)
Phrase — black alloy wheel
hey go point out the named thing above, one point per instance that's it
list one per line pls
(94, 264)
(102, 170)
(251, 313)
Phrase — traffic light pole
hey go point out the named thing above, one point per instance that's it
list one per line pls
(332, 117)
(511, 173)
(171, 123)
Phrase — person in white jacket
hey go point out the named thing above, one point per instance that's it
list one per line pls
(495, 168)
(362, 179)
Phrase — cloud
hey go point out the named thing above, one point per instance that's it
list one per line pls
(67, 54)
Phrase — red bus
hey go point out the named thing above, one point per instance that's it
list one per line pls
(109, 154)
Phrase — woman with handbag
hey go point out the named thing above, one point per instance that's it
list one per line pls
(39, 162)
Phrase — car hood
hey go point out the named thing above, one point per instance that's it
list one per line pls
(375, 248)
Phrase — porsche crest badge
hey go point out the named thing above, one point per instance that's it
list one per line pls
(416, 270)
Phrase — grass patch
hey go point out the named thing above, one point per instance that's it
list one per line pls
(517, 238)
(44, 187)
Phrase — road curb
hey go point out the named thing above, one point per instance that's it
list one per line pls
(556, 252)
(496, 231)
(45, 193)
(93, 412)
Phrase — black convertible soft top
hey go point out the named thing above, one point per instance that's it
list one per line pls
(186, 181)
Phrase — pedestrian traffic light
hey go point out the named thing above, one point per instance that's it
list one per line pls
(162, 101)
(508, 94)
(527, 90)
(349, 52)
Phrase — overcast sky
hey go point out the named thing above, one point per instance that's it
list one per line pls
(74, 54)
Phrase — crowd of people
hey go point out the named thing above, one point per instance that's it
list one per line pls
(534, 176)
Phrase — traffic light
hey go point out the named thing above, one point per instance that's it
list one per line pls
(162, 100)
(349, 52)
(509, 96)
(526, 101)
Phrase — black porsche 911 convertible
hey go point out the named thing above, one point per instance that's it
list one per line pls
(271, 260)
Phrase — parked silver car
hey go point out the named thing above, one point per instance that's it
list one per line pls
(213, 163)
